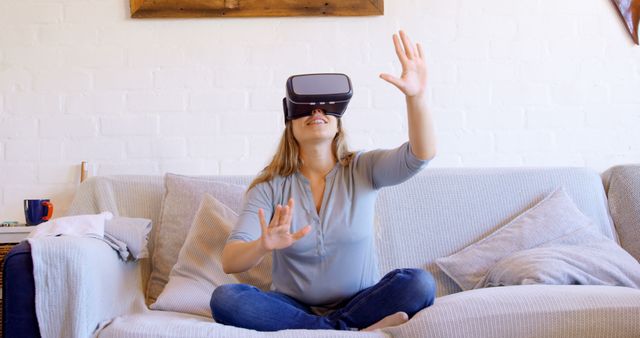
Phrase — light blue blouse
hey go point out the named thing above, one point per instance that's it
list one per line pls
(337, 258)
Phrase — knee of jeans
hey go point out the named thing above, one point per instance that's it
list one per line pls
(422, 286)
(224, 297)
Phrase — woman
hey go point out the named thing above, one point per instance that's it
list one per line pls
(324, 260)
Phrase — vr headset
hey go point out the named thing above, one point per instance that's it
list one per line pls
(306, 92)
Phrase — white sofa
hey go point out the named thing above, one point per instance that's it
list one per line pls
(435, 214)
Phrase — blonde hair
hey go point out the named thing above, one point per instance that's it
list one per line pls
(287, 161)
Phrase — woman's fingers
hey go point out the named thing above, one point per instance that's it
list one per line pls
(301, 233)
(420, 51)
(290, 205)
(408, 46)
(283, 214)
(392, 79)
(281, 222)
(281, 229)
(263, 222)
(399, 51)
(286, 211)
(276, 217)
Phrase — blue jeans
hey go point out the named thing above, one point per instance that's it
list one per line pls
(241, 305)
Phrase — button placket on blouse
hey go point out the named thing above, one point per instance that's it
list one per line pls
(309, 207)
(329, 183)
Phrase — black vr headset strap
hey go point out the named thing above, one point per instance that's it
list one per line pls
(284, 108)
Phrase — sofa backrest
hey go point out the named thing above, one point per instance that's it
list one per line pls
(622, 184)
(443, 210)
(435, 214)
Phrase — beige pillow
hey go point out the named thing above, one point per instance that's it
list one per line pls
(199, 268)
(182, 198)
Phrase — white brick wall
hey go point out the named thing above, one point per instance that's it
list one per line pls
(18, 127)
(530, 83)
(103, 102)
(129, 126)
(43, 13)
(33, 103)
(122, 79)
(102, 149)
(14, 79)
(68, 126)
(35, 57)
(21, 151)
(156, 101)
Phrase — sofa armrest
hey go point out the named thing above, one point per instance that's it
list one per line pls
(622, 184)
(18, 296)
(81, 284)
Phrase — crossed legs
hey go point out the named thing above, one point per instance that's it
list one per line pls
(400, 291)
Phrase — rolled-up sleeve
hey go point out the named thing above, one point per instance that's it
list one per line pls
(386, 167)
(247, 228)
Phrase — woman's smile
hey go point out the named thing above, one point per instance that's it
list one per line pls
(316, 120)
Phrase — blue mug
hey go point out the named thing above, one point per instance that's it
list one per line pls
(37, 211)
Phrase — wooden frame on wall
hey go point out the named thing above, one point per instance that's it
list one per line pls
(630, 12)
(253, 8)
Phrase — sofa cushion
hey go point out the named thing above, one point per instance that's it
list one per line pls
(550, 219)
(167, 324)
(623, 190)
(529, 311)
(199, 268)
(183, 195)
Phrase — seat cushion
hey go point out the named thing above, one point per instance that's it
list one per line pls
(160, 324)
(530, 311)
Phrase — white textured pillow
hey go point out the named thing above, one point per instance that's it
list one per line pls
(182, 198)
(199, 268)
(553, 217)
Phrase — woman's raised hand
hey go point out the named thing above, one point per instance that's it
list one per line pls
(277, 235)
(413, 80)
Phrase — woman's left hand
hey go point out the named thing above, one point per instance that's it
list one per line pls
(413, 80)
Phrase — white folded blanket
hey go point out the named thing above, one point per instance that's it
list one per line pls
(78, 226)
(67, 257)
(80, 284)
(127, 236)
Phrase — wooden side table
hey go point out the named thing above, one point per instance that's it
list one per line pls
(9, 237)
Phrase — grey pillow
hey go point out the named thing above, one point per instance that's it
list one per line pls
(199, 268)
(553, 217)
(182, 198)
(583, 257)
